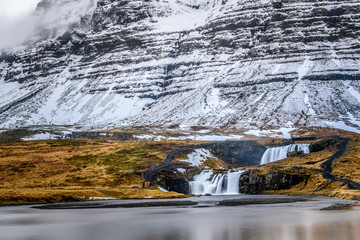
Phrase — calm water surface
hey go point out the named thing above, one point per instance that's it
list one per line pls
(295, 221)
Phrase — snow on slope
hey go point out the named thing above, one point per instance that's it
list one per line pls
(198, 157)
(237, 63)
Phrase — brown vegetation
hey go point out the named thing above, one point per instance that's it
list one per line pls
(77, 170)
(309, 166)
(74, 170)
(348, 165)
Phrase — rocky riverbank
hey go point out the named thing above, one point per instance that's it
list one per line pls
(253, 183)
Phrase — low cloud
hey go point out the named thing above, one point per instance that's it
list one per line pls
(14, 10)
(14, 21)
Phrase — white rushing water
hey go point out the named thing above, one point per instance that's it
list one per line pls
(278, 153)
(219, 184)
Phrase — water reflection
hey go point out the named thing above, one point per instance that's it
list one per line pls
(225, 223)
(323, 231)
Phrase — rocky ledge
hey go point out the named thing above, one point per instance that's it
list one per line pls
(255, 183)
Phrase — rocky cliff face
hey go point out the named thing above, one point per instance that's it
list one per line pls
(240, 63)
(253, 183)
(238, 154)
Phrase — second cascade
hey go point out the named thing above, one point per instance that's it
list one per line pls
(216, 184)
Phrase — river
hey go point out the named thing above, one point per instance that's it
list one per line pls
(206, 221)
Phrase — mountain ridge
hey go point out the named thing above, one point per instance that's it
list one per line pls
(214, 63)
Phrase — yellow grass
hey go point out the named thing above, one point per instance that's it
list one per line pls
(75, 170)
(54, 195)
(60, 170)
(346, 167)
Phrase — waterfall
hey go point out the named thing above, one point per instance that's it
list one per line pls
(278, 153)
(218, 184)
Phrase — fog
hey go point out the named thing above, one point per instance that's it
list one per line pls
(12, 13)
(21, 26)
(13, 10)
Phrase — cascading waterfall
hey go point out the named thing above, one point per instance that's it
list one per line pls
(278, 153)
(220, 184)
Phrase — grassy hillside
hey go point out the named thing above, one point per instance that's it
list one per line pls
(73, 170)
(310, 166)
(78, 170)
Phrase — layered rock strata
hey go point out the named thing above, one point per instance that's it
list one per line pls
(243, 63)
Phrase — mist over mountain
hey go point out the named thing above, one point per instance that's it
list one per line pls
(239, 63)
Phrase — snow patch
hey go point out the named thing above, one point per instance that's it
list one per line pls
(276, 68)
(203, 131)
(185, 17)
(308, 104)
(197, 157)
(146, 136)
(213, 99)
(40, 136)
(334, 56)
(193, 137)
(101, 198)
(258, 98)
(352, 91)
(281, 132)
(214, 137)
(342, 125)
(182, 170)
(353, 120)
(304, 68)
(163, 189)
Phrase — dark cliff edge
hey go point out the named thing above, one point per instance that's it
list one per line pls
(255, 183)
(171, 180)
(238, 154)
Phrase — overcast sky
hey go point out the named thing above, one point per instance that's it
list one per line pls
(13, 10)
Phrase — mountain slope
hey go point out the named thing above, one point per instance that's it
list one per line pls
(238, 63)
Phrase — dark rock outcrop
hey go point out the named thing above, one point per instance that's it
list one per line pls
(321, 144)
(336, 206)
(295, 153)
(171, 180)
(15, 134)
(238, 154)
(253, 183)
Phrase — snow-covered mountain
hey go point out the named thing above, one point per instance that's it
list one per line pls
(241, 63)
